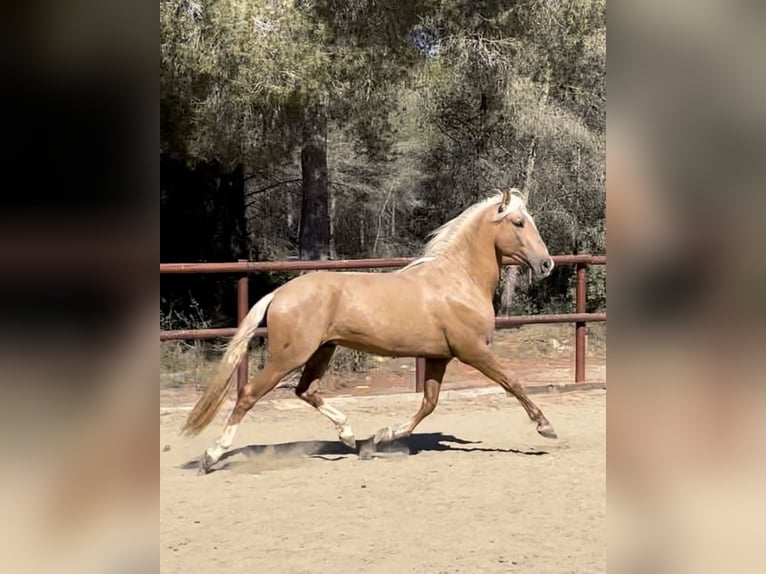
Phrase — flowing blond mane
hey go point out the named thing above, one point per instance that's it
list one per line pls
(446, 236)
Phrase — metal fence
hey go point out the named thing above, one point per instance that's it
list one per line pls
(242, 268)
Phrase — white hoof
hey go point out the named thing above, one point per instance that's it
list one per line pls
(546, 430)
(347, 437)
(384, 435)
(206, 463)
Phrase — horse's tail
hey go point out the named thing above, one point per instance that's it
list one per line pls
(210, 403)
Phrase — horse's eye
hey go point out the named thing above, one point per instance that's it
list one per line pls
(518, 222)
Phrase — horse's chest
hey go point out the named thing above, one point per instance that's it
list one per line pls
(469, 321)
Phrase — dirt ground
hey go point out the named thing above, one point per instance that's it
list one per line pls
(474, 490)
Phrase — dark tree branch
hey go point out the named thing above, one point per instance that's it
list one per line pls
(267, 188)
(444, 131)
(272, 186)
(355, 187)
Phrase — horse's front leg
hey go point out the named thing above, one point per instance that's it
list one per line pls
(485, 362)
(434, 374)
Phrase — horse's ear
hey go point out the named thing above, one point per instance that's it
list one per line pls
(520, 195)
(506, 200)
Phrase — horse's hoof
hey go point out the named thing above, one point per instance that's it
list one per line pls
(349, 440)
(546, 430)
(384, 435)
(206, 462)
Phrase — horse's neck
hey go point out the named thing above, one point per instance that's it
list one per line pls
(480, 261)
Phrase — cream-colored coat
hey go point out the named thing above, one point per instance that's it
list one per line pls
(438, 307)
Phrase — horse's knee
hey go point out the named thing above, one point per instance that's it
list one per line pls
(513, 385)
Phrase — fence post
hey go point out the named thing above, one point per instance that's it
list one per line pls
(420, 374)
(242, 309)
(580, 296)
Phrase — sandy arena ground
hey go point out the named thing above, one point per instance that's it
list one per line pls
(474, 490)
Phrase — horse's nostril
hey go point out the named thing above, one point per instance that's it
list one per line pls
(546, 265)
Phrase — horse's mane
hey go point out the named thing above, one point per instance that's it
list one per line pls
(444, 237)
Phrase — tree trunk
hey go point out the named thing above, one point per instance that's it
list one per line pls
(232, 241)
(362, 227)
(333, 250)
(314, 238)
(529, 168)
(228, 240)
(393, 219)
(532, 152)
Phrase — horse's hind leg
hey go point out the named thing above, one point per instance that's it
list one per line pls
(434, 374)
(250, 394)
(308, 390)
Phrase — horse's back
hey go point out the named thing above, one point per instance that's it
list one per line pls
(381, 312)
(352, 293)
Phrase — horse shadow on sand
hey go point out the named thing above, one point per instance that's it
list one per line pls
(273, 455)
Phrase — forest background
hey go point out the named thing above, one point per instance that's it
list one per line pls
(320, 129)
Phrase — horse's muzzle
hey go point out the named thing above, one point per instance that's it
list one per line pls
(542, 269)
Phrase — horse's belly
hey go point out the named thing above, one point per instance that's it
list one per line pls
(396, 347)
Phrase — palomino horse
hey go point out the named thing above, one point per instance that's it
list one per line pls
(438, 307)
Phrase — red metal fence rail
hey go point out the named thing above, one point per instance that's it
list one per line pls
(580, 318)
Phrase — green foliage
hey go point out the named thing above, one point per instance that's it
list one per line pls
(236, 75)
(237, 70)
(430, 105)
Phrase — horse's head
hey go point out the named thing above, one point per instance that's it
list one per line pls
(517, 237)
